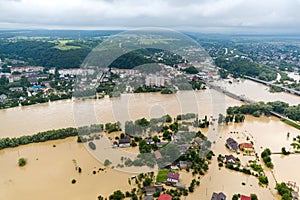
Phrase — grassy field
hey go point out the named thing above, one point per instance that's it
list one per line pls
(62, 45)
(162, 175)
(292, 123)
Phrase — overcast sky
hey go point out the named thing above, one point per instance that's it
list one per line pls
(209, 15)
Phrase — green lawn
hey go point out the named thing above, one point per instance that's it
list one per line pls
(162, 175)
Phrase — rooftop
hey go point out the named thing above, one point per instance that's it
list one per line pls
(165, 197)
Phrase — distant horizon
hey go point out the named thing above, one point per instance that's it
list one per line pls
(121, 29)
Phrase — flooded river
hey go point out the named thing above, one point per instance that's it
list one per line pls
(257, 92)
(50, 170)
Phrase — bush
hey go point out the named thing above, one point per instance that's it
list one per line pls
(92, 145)
(73, 181)
(253, 197)
(117, 195)
(107, 162)
(22, 162)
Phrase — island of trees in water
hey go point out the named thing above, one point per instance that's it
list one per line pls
(261, 108)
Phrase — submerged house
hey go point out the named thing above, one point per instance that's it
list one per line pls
(218, 196)
(243, 197)
(230, 159)
(172, 178)
(232, 144)
(246, 147)
(185, 164)
(124, 142)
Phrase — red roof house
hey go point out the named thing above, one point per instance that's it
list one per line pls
(165, 197)
(243, 197)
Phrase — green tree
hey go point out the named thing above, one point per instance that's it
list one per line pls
(22, 162)
(107, 162)
(117, 195)
(253, 197)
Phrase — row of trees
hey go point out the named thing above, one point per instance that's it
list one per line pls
(257, 109)
(39, 137)
(266, 156)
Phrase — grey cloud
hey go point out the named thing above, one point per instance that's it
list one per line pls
(167, 13)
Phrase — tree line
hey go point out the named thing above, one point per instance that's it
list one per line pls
(261, 108)
(39, 137)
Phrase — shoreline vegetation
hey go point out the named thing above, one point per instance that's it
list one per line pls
(290, 114)
(88, 133)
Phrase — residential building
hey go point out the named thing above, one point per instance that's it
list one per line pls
(154, 80)
(27, 69)
(124, 142)
(172, 177)
(246, 147)
(165, 197)
(16, 89)
(232, 144)
(185, 164)
(243, 197)
(218, 196)
(230, 159)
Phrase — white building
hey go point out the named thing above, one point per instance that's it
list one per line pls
(26, 69)
(154, 80)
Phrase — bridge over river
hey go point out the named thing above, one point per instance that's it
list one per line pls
(272, 84)
(242, 98)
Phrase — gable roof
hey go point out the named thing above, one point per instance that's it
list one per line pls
(218, 196)
(165, 197)
(246, 146)
(230, 158)
(173, 176)
(124, 141)
(232, 144)
(243, 197)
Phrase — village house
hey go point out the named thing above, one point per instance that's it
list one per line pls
(243, 197)
(218, 196)
(150, 190)
(124, 142)
(16, 89)
(246, 147)
(232, 144)
(172, 178)
(198, 141)
(185, 164)
(230, 159)
(165, 197)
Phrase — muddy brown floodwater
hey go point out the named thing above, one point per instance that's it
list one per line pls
(49, 170)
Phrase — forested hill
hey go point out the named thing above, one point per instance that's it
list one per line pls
(146, 55)
(45, 53)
